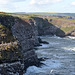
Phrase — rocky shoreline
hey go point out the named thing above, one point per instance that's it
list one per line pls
(25, 32)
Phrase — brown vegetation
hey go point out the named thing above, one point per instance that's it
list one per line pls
(5, 34)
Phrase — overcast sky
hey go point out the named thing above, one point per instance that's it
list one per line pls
(64, 6)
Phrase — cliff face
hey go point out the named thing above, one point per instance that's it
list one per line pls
(57, 27)
(26, 34)
(47, 28)
(20, 56)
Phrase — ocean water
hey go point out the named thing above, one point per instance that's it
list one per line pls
(59, 57)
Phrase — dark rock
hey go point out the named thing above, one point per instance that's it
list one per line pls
(43, 59)
(11, 68)
(26, 33)
(44, 42)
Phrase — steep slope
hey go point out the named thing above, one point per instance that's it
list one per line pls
(18, 37)
(47, 28)
(66, 25)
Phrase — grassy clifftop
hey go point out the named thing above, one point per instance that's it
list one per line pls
(65, 25)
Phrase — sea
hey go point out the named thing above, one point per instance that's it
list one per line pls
(58, 55)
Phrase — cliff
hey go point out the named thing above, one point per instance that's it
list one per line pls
(59, 27)
(18, 36)
(66, 25)
(17, 40)
(46, 28)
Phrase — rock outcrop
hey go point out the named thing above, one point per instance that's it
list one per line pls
(25, 34)
(47, 28)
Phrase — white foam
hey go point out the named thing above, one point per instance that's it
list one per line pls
(69, 48)
(71, 37)
(33, 69)
(43, 46)
(56, 37)
(48, 45)
(54, 43)
(48, 67)
(42, 37)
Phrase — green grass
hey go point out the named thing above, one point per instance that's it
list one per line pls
(23, 16)
(29, 15)
(66, 29)
(65, 19)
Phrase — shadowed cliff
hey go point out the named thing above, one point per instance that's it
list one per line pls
(47, 28)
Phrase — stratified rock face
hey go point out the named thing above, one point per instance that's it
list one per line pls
(26, 35)
(25, 31)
